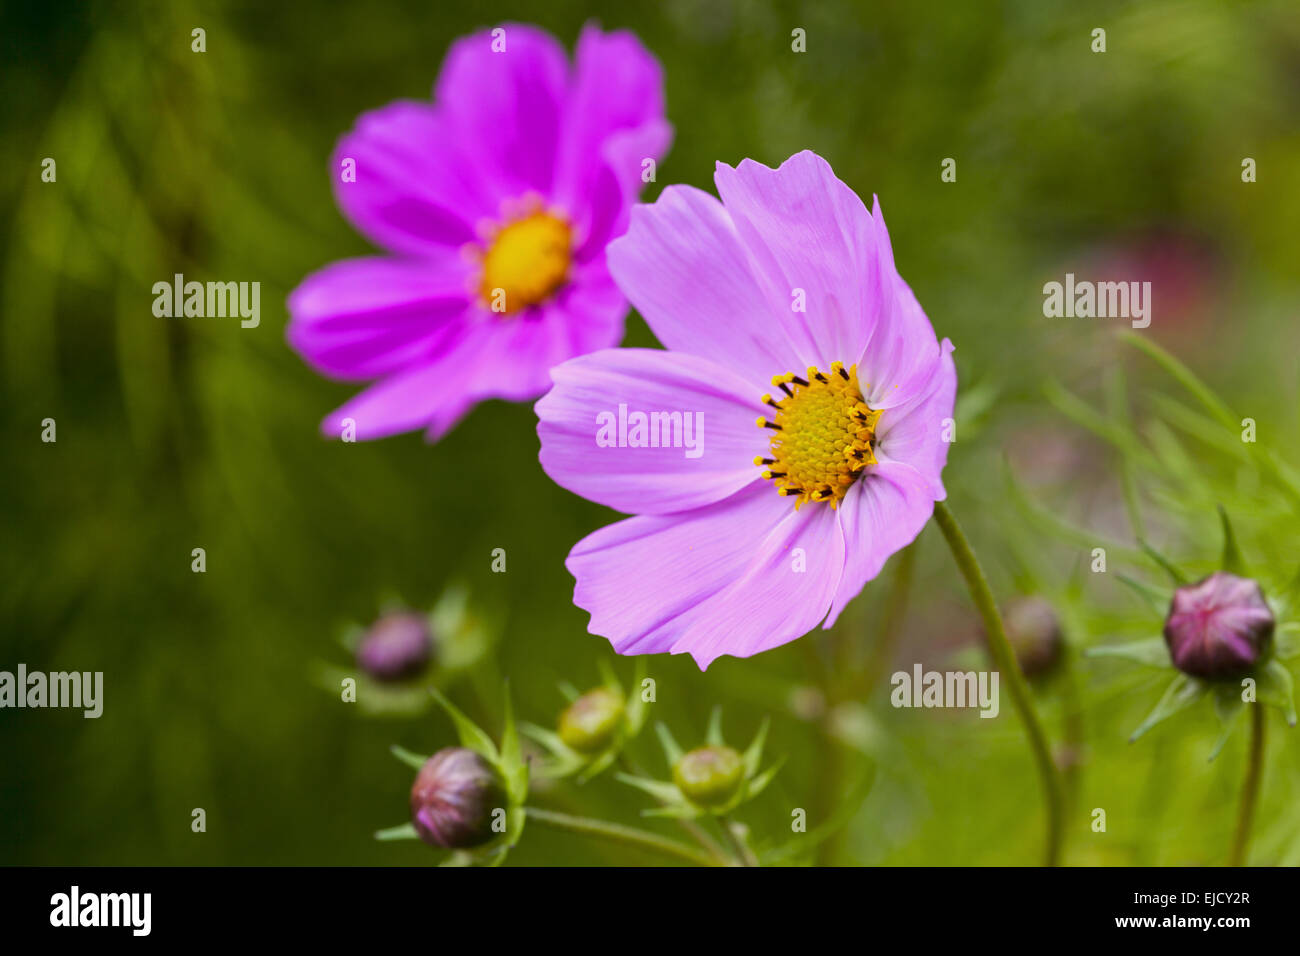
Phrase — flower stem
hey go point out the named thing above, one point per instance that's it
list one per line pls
(617, 833)
(690, 826)
(1005, 659)
(1249, 788)
(743, 856)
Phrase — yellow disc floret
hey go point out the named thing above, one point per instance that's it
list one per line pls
(526, 261)
(823, 435)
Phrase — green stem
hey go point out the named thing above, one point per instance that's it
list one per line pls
(1249, 788)
(1072, 757)
(690, 826)
(617, 833)
(1005, 660)
(743, 856)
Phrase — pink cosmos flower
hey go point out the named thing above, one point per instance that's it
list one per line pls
(747, 535)
(494, 204)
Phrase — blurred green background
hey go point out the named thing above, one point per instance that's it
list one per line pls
(183, 433)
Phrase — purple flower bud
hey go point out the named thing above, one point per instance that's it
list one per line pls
(453, 799)
(397, 646)
(709, 776)
(1218, 627)
(589, 724)
(1034, 631)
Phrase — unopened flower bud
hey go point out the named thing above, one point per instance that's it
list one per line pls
(1034, 632)
(453, 799)
(1218, 627)
(397, 646)
(589, 724)
(709, 776)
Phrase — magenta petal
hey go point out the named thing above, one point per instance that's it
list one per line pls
(807, 231)
(507, 106)
(881, 514)
(723, 579)
(415, 188)
(613, 123)
(683, 266)
(597, 396)
(520, 351)
(610, 194)
(362, 318)
(434, 394)
(918, 433)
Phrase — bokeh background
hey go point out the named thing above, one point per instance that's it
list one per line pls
(183, 433)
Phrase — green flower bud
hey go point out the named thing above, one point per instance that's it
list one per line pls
(589, 724)
(709, 776)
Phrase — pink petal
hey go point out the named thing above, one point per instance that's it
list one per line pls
(723, 579)
(882, 513)
(681, 263)
(648, 480)
(806, 230)
(914, 433)
(902, 348)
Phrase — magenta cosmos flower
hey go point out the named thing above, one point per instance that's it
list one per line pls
(746, 535)
(494, 204)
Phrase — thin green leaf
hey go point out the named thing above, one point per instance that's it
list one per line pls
(714, 734)
(671, 750)
(1228, 706)
(546, 737)
(1232, 560)
(661, 790)
(608, 677)
(754, 753)
(413, 760)
(1087, 417)
(1117, 406)
(511, 760)
(636, 705)
(1154, 599)
(677, 811)
(1049, 522)
(471, 735)
(759, 783)
(1150, 652)
(598, 766)
(405, 831)
(1183, 375)
(1277, 688)
(1170, 569)
(1182, 693)
(846, 810)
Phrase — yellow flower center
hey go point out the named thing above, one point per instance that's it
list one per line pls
(525, 262)
(823, 435)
